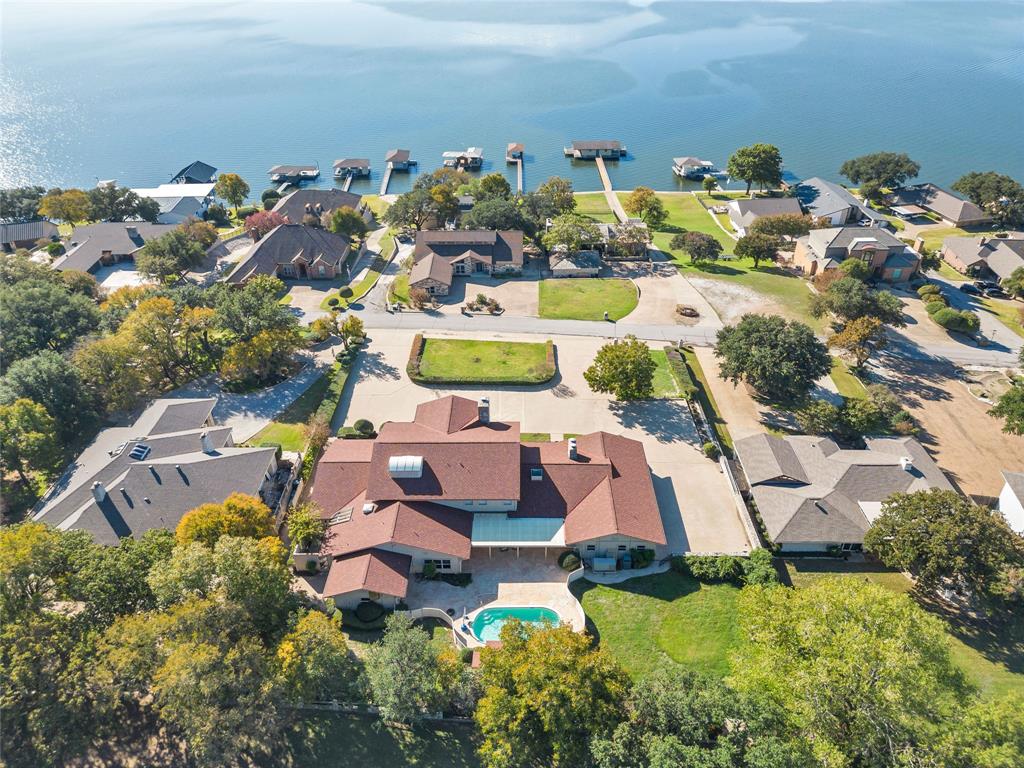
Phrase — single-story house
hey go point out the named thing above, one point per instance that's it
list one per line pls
(889, 258)
(590, 150)
(197, 172)
(565, 263)
(316, 202)
(743, 213)
(453, 482)
(984, 256)
(295, 251)
(399, 159)
(25, 234)
(1011, 500)
(351, 166)
(179, 201)
(811, 494)
(107, 242)
(823, 199)
(953, 210)
(440, 254)
(610, 247)
(148, 475)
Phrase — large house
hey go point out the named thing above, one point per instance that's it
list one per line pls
(953, 210)
(107, 242)
(453, 484)
(889, 258)
(824, 200)
(812, 495)
(25, 234)
(295, 251)
(984, 256)
(743, 213)
(179, 201)
(441, 254)
(148, 475)
(316, 202)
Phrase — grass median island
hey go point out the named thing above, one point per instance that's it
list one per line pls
(465, 361)
(587, 298)
(665, 385)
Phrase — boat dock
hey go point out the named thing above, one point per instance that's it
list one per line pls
(609, 193)
(514, 154)
(386, 180)
(471, 159)
(394, 160)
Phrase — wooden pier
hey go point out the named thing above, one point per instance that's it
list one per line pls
(387, 179)
(514, 154)
(348, 183)
(609, 193)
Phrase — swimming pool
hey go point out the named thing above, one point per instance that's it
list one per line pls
(488, 623)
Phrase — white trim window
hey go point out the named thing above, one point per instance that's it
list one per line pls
(441, 565)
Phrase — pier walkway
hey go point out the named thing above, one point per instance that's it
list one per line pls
(386, 180)
(347, 184)
(519, 175)
(609, 193)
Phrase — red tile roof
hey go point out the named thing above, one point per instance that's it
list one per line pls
(374, 570)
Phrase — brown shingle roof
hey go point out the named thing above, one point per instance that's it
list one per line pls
(499, 248)
(425, 526)
(375, 570)
(432, 267)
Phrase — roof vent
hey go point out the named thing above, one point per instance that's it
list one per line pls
(140, 451)
(572, 448)
(369, 508)
(132, 231)
(341, 516)
(207, 443)
(483, 410)
(906, 464)
(405, 466)
(99, 491)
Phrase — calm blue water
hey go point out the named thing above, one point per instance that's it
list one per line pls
(135, 91)
(488, 623)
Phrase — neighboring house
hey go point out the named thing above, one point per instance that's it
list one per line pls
(316, 202)
(452, 484)
(575, 264)
(351, 166)
(25, 234)
(197, 172)
(171, 460)
(107, 242)
(295, 251)
(811, 494)
(610, 248)
(399, 159)
(179, 201)
(984, 256)
(440, 254)
(590, 150)
(823, 199)
(889, 258)
(743, 213)
(1011, 500)
(953, 210)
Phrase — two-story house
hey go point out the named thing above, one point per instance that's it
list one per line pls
(889, 258)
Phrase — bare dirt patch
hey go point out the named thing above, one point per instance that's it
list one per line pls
(987, 384)
(731, 301)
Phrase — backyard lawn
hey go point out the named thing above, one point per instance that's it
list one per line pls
(594, 205)
(646, 621)
(587, 298)
(849, 386)
(685, 213)
(664, 382)
(289, 428)
(470, 361)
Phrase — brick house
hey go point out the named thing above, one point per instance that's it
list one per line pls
(889, 258)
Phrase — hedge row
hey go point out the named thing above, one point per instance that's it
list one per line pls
(416, 357)
(681, 373)
(729, 569)
(338, 375)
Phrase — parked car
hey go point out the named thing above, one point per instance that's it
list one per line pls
(973, 290)
(995, 292)
(985, 285)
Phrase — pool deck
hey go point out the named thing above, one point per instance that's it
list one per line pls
(502, 579)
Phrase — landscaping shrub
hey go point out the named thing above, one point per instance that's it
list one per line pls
(568, 561)
(935, 303)
(711, 450)
(680, 372)
(368, 611)
(268, 205)
(270, 194)
(466, 654)
(759, 569)
(455, 579)
(714, 569)
(345, 292)
(429, 571)
(55, 249)
(333, 301)
(247, 210)
(269, 444)
(415, 356)
(641, 557)
(217, 214)
(363, 426)
(929, 290)
(957, 320)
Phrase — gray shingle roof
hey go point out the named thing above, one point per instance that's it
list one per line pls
(938, 200)
(316, 201)
(88, 243)
(743, 213)
(288, 243)
(196, 172)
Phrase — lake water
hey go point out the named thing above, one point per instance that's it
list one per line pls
(136, 91)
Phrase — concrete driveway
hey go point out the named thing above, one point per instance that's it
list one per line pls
(662, 288)
(518, 296)
(693, 494)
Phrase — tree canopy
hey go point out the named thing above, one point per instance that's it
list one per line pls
(52, 381)
(782, 225)
(28, 439)
(238, 515)
(884, 169)
(21, 202)
(412, 209)
(999, 194)
(1010, 408)
(859, 338)
(699, 246)
(758, 247)
(69, 205)
(497, 213)
(645, 204)
(38, 315)
(108, 202)
(780, 358)
(623, 368)
(571, 231)
(169, 255)
(231, 187)
(348, 221)
(262, 223)
(759, 164)
(850, 298)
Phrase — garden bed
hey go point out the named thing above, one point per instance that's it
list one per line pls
(464, 361)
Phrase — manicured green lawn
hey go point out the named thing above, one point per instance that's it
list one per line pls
(648, 621)
(992, 659)
(587, 298)
(706, 398)
(849, 386)
(535, 437)
(933, 237)
(595, 205)
(378, 206)
(400, 289)
(324, 738)
(686, 213)
(664, 381)
(1007, 311)
(289, 428)
(469, 361)
(949, 273)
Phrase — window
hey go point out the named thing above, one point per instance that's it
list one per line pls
(441, 565)
(341, 516)
(320, 270)
(591, 548)
(536, 473)
(470, 503)
(640, 547)
(622, 547)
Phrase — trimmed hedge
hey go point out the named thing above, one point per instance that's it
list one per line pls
(681, 373)
(568, 561)
(415, 356)
(338, 375)
(368, 611)
(929, 290)
(957, 320)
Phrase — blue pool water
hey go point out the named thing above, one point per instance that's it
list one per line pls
(488, 623)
